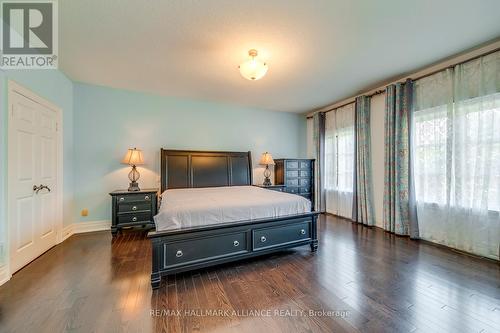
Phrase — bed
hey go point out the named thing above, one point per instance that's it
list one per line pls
(211, 214)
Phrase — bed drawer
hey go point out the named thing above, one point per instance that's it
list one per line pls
(204, 249)
(282, 235)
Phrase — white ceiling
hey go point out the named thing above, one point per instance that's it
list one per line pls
(318, 51)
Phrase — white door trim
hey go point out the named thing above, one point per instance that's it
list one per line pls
(13, 88)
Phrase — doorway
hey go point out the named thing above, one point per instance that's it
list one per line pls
(34, 175)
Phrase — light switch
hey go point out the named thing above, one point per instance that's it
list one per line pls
(85, 212)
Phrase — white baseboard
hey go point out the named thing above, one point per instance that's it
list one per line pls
(83, 227)
(4, 275)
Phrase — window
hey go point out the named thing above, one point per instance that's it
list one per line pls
(457, 153)
(339, 160)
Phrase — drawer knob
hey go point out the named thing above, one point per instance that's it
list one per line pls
(122, 199)
(179, 254)
(134, 219)
(146, 197)
(134, 208)
(236, 243)
(263, 239)
(302, 232)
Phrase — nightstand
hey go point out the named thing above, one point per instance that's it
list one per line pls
(279, 188)
(131, 209)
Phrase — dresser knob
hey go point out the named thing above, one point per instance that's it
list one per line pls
(134, 208)
(263, 239)
(179, 254)
(302, 232)
(146, 197)
(122, 199)
(236, 243)
(134, 219)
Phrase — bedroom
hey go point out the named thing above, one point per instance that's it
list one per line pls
(376, 123)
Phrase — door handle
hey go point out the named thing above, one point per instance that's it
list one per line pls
(37, 189)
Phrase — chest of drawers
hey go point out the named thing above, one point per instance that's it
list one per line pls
(297, 175)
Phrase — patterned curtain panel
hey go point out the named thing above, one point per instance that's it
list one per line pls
(363, 197)
(399, 216)
(319, 155)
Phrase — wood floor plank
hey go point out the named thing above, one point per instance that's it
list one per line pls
(383, 283)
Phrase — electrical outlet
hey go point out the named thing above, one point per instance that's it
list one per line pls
(85, 212)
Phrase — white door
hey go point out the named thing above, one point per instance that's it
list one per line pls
(33, 187)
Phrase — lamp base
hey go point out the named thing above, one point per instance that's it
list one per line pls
(267, 182)
(134, 186)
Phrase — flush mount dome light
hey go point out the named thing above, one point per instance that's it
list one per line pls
(253, 69)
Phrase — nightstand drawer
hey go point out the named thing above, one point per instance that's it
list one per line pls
(133, 198)
(134, 218)
(131, 207)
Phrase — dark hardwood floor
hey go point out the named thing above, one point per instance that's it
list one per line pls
(369, 280)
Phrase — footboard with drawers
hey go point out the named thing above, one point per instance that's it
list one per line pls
(193, 248)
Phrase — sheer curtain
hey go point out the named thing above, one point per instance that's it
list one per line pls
(339, 160)
(310, 138)
(456, 143)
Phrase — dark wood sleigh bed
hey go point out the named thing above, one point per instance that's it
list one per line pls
(185, 249)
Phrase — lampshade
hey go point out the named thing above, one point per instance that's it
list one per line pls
(253, 69)
(133, 157)
(266, 159)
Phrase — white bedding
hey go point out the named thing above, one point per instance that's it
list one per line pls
(183, 208)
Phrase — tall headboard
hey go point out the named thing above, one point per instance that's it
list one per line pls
(190, 168)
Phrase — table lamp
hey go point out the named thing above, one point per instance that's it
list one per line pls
(133, 157)
(267, 160)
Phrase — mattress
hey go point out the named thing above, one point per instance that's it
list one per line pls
(192, 207)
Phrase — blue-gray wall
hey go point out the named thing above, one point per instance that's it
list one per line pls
(108, 121)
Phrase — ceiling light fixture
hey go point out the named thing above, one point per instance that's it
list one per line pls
(253, 69)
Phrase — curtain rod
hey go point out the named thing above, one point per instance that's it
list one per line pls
(381, 91)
